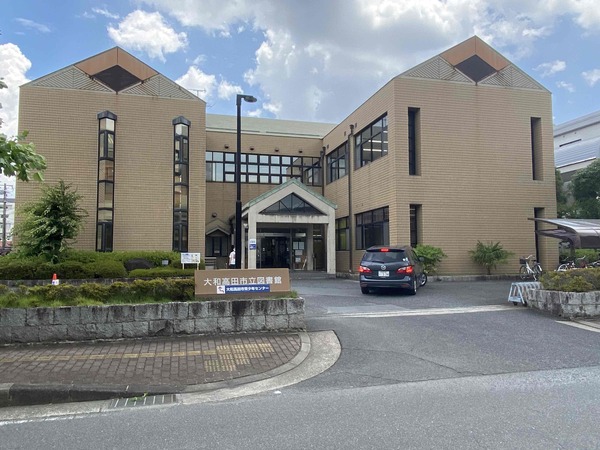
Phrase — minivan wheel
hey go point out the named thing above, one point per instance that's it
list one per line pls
(364, 290)
(413, 289)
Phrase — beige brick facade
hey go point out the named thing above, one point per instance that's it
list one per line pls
(474, 157)
(63, 124)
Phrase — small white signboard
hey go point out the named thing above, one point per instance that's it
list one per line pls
(251, 244)
(190, 258)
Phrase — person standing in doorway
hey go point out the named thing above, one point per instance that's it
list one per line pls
(232, 258)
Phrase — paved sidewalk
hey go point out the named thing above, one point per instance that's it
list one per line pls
(56, 373)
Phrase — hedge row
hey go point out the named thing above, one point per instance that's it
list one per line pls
(575, 280)
(87, 264)
(138, 291)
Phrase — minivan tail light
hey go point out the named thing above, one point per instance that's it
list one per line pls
(363, 269)
(406, 270)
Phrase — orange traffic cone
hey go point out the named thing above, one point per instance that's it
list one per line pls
(55, 280)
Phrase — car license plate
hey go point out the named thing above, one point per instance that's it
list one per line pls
(384, 273)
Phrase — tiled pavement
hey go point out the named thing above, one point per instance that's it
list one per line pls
(155, 365)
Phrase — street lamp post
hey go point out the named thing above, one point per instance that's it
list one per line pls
(238, 179)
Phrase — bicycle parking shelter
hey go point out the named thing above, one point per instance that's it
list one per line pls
(579, 233)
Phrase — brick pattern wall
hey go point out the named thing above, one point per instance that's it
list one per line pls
(64, 126)
(476, 178)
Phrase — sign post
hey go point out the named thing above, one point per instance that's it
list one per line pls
(190, 258)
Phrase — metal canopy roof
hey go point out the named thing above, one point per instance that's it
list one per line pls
(581, 233)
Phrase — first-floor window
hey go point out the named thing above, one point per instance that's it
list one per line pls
(415, 218)
(342, 231)
(373, 228)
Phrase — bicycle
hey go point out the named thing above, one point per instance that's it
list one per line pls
(577, 263)
(530, 268)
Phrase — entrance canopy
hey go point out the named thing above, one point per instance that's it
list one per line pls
(291, 205)
(581, 233)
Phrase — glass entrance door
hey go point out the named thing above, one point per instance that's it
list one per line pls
(274, 252)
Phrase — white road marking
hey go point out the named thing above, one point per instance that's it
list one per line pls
(583, 326)
(432, 311)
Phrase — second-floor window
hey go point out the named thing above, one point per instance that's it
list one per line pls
(371, 143)
(263, 169)
(337, 162)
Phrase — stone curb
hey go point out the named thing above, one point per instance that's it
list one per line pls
(14, 394)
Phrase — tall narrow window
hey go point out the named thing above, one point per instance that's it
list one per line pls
(106, 181)
(342, 233)
(536, 148)
(413, 141)
(181, 173)
(415, 223)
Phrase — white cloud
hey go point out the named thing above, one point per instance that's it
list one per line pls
(198, 82)
(587, 13)
(591, 76)
(105, 12)
(34, 25)
(550, 68)
(227, 90)
(254, 113)
(564, 85)
(212, 15)
(319, 60)
(12, 70)
(148, 32)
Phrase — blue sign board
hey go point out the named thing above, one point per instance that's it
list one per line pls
(237, 288)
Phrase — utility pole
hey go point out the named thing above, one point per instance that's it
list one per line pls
(4, 214)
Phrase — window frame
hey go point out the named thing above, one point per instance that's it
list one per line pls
(364, 139)
(181, 184)
(368, 225)
(107, 126)
(260, 168)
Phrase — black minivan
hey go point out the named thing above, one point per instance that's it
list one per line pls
(391, 267)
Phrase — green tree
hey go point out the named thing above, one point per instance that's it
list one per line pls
(50, 223)
(18, 158)
(489, 255)
(585, 186)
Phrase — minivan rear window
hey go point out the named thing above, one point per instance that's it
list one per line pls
(386, 257)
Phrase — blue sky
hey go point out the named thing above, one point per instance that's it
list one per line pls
(314, 60)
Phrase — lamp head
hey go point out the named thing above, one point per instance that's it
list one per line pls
(246, 98)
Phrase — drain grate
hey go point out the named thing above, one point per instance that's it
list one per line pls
(151, 400)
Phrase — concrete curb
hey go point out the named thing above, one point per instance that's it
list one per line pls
(14, 394)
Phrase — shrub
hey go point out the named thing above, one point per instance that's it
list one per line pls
(161, 272)
(68, 270)
(577, 280)
(431, 255)
(489, 255)
(107, 269)
(95, 291)
(19, 269)
(147, 291)
(589, 254)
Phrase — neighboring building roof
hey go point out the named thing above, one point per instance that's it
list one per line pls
(577, 152)
(275, 127)
(576, 124)
(473, 62)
